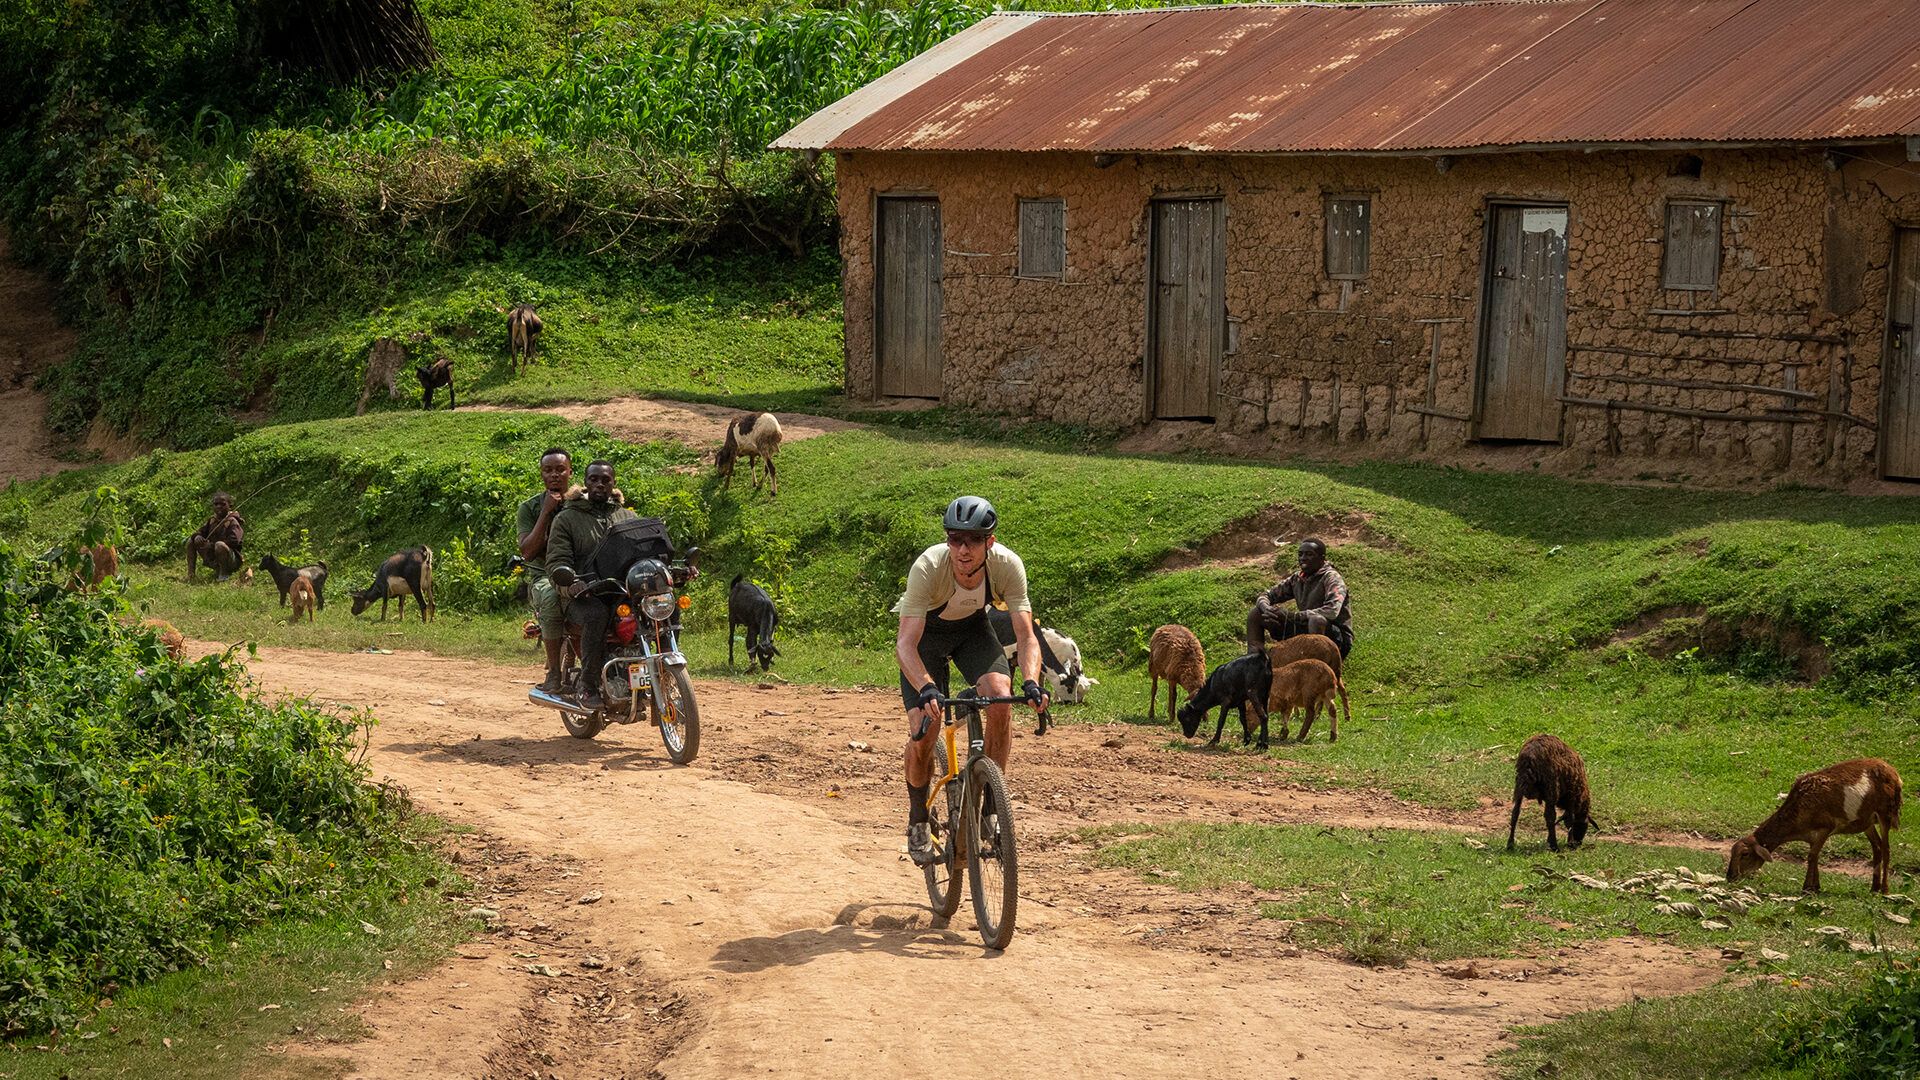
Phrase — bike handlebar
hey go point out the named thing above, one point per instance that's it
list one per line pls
(976, 699)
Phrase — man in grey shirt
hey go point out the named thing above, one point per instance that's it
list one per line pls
(1320, 595)
(535, 517)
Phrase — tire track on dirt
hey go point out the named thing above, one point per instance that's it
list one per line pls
(754, 912)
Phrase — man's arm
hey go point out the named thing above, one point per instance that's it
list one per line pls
(906, 650)
(1282, 592)
(1335, 599)
(533, 539)
(1029, 649)
(559, 547)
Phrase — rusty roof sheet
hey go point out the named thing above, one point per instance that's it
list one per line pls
(1397, 77)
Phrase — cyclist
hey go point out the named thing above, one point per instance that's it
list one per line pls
(943, 617)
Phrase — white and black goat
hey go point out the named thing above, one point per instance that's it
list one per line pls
(1066, 680)
(756, 437)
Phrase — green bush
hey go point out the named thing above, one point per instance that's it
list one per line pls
(148, 808)
(1871, 1032)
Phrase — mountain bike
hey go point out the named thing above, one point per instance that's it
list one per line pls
(977, 827)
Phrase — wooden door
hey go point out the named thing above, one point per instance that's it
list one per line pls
(1523, 338)
(1900, 378)
(1187, 317)
(907, 307)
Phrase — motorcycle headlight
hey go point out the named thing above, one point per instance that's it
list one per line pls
(658, 607)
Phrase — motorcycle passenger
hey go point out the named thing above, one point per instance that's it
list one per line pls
(532, 524)
(943, 617)
(571, 540)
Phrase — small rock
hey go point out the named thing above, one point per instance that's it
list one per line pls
(543, 969)
(1465, 971)
(591, 898)
(592, 963)
(860, 747)
(1115, 742)
(437, 701)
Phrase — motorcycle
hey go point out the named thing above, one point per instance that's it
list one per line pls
(645, 674)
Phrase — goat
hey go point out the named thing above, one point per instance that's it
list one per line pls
(749, 606)
(1308, 685)
(1067, 681)
(523, 335)
(432, 377)
(1175, 655)
(301, 592)
(171, 639)
(1235, 684)
(283, 576)
(756, 436)
(1305, 647)
(1853, 796)
(403, 574)
(1551, 771)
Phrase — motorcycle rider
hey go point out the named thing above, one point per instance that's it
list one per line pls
(532, 524)
(943, 617)
(571, 540)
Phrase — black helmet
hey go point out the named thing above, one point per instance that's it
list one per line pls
(970, 513)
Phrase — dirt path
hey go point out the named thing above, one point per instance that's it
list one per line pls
(704, 427)
(754, 913)
(31, 339)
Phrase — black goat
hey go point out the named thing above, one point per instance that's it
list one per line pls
(1233, 685)
(749, 605)
(403, 574)
(432, 376)
(283, 576)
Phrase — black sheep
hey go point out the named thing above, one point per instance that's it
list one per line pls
(748, 605)
(1233, 685)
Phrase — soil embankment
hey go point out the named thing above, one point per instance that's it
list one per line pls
(754, 913)
(31, 340)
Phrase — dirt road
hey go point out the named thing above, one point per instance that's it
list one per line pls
(754, 913)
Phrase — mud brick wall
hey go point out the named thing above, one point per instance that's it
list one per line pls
(1385, 361)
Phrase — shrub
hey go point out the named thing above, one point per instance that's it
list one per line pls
(1873, 1032)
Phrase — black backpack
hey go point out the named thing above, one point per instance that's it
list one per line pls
(626, 543)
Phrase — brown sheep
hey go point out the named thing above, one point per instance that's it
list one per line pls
(174, 641)
(1551, 771)
(1176, 656)
(105, 561)
(1307, 685)
(1304, 647)
(301, 597)
(1853, 796)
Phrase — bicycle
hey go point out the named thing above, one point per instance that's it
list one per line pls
(978, 826)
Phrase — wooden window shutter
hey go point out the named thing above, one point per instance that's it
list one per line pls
(1043, 238)
(1692, 253)
(1349, 231)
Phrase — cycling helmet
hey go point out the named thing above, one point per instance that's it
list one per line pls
(970, 513)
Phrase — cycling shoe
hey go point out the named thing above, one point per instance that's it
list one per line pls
(920, 847)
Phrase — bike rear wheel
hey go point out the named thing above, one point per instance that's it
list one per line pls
(944, 873)
(991, 856)
(679, 717)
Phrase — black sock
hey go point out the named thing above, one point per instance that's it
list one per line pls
(917, 804)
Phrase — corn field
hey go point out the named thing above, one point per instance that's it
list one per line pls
(692, 87)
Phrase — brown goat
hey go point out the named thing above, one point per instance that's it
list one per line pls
(1308, 685)
(105, 561)
(1303, 647)
(1862, 795)
(1551, 771)
(170, 638)
(301, 597)
(523, 335)
(1175, 655)
(432, 377)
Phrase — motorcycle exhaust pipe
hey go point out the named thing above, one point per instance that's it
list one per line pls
(541, 697)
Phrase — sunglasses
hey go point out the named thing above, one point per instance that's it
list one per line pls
(960, 539)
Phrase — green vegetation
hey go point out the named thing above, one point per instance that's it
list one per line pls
(149, 811)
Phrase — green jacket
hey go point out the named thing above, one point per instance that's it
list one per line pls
(580, 526)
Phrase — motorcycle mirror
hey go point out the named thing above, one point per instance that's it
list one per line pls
(693, 556)
(562, 576)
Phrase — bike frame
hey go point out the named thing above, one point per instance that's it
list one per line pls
(976, 746)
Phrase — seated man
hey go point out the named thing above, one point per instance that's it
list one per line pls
(218, 541)
(572, 538)
(1320, 594)
(532, 525)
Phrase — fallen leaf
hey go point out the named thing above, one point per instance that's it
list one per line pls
(436, 701)
(265, 1008)
(370, 928)
(1898, 920)
(1715, 924)
(1774, 955)
(542, 969)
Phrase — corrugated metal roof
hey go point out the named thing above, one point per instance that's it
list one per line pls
(1401, 77)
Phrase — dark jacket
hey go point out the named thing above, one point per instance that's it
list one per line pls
(579, 527)
(228, 529)
(1324, 594)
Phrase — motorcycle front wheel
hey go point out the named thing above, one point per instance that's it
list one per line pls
(583, 727)
(679, 716)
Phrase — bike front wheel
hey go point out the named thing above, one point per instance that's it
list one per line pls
(991, 856)
(679, 717)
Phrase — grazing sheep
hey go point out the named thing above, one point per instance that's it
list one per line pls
(1551, 771)
(1305, 647)
(104, 562)
(403, 574)
(756, 436)
(523, 335)
(301, 594)
(1853, 796)
(432, 377)
(283, 577)
(170, 638)
(1236, 684)
(1175, 655)
(749, 606)
(1308, 685)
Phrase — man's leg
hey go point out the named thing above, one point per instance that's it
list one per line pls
(224, 561)
(1265, 621)
(982, 660)
(923, 737)
(545, 601)
(193, 553)
(593, 615)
